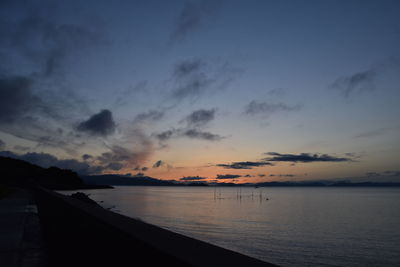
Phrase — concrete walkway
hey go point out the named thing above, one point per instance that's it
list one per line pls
(21, 242)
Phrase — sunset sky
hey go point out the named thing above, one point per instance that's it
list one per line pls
(243, 91)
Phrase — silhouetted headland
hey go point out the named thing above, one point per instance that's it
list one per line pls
(24, 174)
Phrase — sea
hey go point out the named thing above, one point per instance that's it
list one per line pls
(288, 226)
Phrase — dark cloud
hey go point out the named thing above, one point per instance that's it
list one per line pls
(245, 164)
(266, 109)
(192, 16)
(46, 43)
(304, 158)
(192, 178)
(200, 117)
(143, 169)
(101, 123)
(2, 145)
(248, 175)
(158, 164)
(190, 133)
(86, 156)
(151, 115)
(115, 166)
(196, 134)
(227, 176)
(166, 135)
(36, 50)
(17, 99)
(261, 175)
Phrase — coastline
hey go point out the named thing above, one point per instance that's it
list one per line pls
(80, 231)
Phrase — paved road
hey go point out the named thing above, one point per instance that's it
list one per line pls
(20, 237)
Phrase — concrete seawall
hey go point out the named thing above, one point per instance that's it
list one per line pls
(79, 234)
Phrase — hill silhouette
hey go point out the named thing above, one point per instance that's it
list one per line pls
(24, 174)
(113, 179)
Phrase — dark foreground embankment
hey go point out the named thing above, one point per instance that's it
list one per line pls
(83, 234)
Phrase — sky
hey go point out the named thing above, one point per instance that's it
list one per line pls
(217, 91)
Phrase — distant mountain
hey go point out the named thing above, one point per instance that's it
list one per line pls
(326, 183)
(113, 179)
(21, 173)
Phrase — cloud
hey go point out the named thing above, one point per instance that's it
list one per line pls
(200, 118)
(191, 79)
(192, 178)
(21, 148)
(196, 134)
(189, 133)
(304, 158)
(150, 116)
(266, 109)
(117, 156)
(261, 175)
(282, 175)
(37, 50)
(101, 124)
(245, 164)
(357, 82)
(166, 135)
(392, 173)
(363, 81)
(47, 43)
(17, 99)
(191, 18)
(2, 144)
(194, 77)
(188, 67)
(227, 176)
(86, 157)
(194, 121)
(158, 164)
(373, 133)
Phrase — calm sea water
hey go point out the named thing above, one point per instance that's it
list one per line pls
(294, 227)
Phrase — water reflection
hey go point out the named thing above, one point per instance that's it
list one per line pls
(286, 226)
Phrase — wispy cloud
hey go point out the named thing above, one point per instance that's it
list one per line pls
(373, 133)
(266, 108)
(189, 133)
(194, 122)
(199, 118)
(357, 82)
(365, 80)
(192, 17)
(149, 116)
(195, 77)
